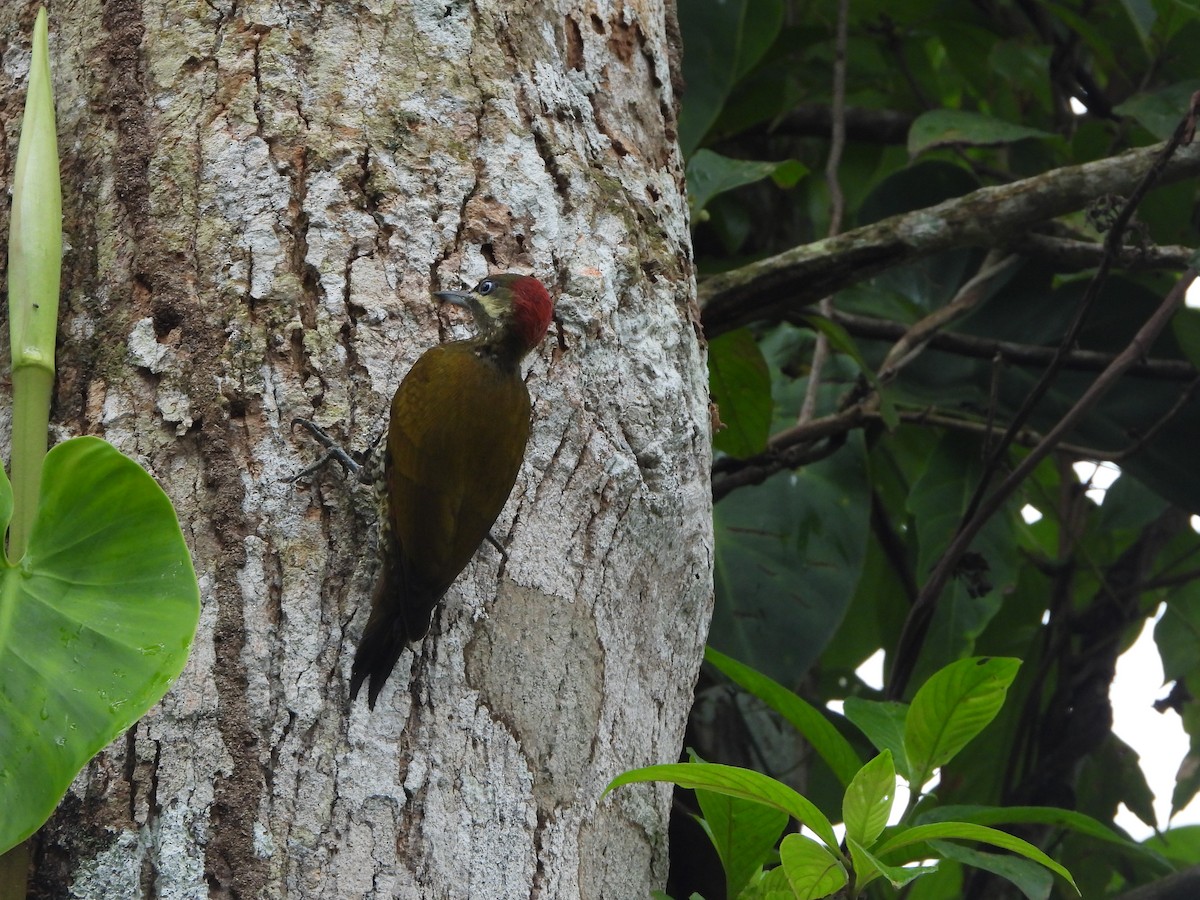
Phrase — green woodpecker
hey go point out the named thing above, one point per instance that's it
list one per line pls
(455, 440)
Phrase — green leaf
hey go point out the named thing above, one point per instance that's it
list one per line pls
(868, 800)
(1185, 325)
(940, 127)
(939, 496)
(736, 782)
(34, 270)
(966, 831)
(724, 42)
(1030, 879)
(1187, 778)
(1114, 775)
(931, 283)
(1041, 815)
(1182, 845)
(1082, 25)
(969, 47)
(788, 173)
(1129, 507)
(740, 384)
(882, 721)
(709, 174)
(1187, 782)
(95, 623)
(811, 870)
(807, 719)
(1141, 13)
(937, 501)
(865, 866)
(789, 554)
(770, 885)
(743, 832)
(868, 867)
(1159, 111)
(1032, 309)
(946, 883)
(951, 708)
(1177, 633)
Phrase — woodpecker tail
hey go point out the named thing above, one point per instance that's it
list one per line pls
(398, 617)
(383, 640)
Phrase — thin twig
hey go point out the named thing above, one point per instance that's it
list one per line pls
(1013, 353)
(837, 142)
(1163, 581)
(837, 201)
(813, 441)
(757, 469)
(1069, 255)
(1152, 432)
(915, 339)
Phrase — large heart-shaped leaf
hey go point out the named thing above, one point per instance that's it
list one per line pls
(95, 623)
(789, 555)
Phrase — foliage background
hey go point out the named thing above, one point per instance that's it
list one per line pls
(829, 525)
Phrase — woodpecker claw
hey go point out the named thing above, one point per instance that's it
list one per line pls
(333, 451)
(499, 549)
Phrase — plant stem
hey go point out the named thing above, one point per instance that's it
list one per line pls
(34, 270)
(32, 386)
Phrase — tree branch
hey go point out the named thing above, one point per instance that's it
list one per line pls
(880, 126)
(989, 217)
(1065, 255)
(916, 337)
(814, 440)
(1183, 885)
(1012, 353)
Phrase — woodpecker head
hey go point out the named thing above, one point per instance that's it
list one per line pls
(508, 308)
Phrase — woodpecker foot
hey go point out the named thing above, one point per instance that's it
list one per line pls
(333, 453)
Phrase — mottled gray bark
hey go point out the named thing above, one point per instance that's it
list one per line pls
(260, 196)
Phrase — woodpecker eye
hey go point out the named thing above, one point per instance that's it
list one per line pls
(485, 287)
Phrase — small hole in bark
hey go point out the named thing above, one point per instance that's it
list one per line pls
(166, 320)
(574, 45)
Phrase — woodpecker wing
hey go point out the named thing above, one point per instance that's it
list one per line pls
(458, 432)
(457, 435)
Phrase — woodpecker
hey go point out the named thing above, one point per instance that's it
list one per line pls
(456, 437)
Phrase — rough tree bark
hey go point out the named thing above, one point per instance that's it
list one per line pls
(259, 197)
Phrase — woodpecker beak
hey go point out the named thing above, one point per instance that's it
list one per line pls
(458, 298)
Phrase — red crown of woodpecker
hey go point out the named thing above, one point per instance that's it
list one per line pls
(532, 310)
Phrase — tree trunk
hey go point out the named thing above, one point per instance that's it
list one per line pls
(259, 198)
